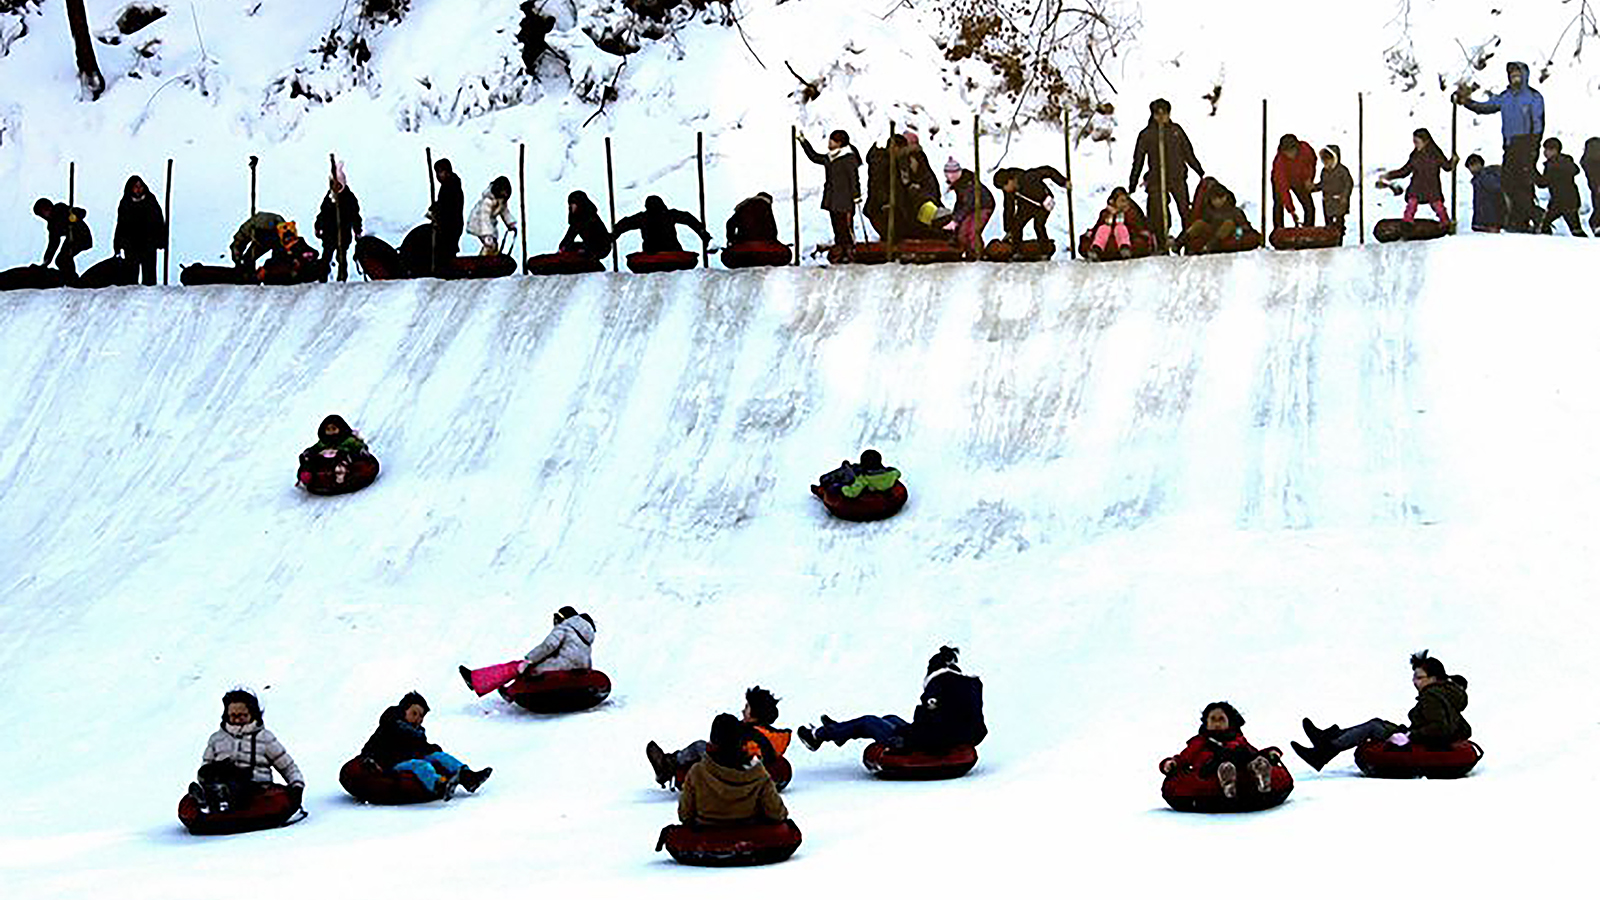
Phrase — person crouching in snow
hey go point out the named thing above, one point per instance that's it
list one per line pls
(1119, 222)
(239, 758)
(494, 204)
(949, 715)
(752, 221)
(764, 740)
(1436, 720)
(729, 786)
(1220, 751)
(400, 744)
(1488, 196)
(566, 648)
(337, 444)
(1424, 166)
(974, 207)
(852, 480)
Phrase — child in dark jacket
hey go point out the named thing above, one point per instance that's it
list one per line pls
(1591, 171)
(949, 715)
(337, 445)
(1424, 167)
(1488, 196)
(1336, 186)
(586, 233)
(1220, 750)
(68, 233)
(841, 187)
(1560, 176)
(854, 479)
(400, 744)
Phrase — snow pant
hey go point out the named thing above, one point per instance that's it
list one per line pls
(1155, 211)
(844, 236)
(1019, 223)
(1213, 233)
(341, 249)
(1337, 222)
(969, 227)
(1301, 192)
(1570, 216)
(145, 261)
(1104, 234)
(1370, 730)
(689, 755)
(446, 246)
(1436, 205)
(1516, 179)
(489, 679)
(66, 259)
(877, 728)
(430, 767)
(222, 780)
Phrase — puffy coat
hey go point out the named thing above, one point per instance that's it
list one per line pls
(752, 220)
(258, 234)
(339, 217)
(484, 213)
(1560, 175)
(950, 714)
(1521, 109)
(1424, 167)
(1436, 718)
(397, 740)
(1336, 185)
(1488, 199)
(1208, 749)
(566, 647)
(141, 228)
(255, 748)
(1290, 173)
(1179, 153)
(658, 227)
(716, 794)
(1133, 218)
(841, 186)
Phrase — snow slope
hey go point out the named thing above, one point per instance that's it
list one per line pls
(1136, 488)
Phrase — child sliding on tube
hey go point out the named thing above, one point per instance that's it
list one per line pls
(1119, 222)
(564, 649)
(1220, 751)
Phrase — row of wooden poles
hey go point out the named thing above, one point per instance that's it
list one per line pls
(890, 238)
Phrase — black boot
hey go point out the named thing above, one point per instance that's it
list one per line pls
(660, 763)
(808, 736)
(1320, 737)
(466, 675)
(1315, 757)
(471, 780)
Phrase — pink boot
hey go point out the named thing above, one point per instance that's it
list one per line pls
(489, 679)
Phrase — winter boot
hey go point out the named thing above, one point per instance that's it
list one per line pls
(447, 786)
(808, 736)
(1126, 252)
(466, 675)
(829, 723)
(472, 780)
(1319, 736)
(199, 795)
(1228, 776)
(1093, 253)
(1261, 768)
(660, 763)
(1315, 757)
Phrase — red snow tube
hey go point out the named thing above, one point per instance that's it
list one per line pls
(1390, 230)
(1188, 792)
(1306, 238)
(756, 844)
(200, 273)
(667, 261)
(359, 472)
(563, 263)
(378, 260)
(114, 272)
(913, 250)
(1250, 240)
(1143, 244)
(282, 272)
(918, 765)
(752, 254)
(271, 807)
(558, 692)
(364, 780)
(1026, 251)
(780, 771)
(497, 266)
(1381, 759)
(32, 278)
(871, 506)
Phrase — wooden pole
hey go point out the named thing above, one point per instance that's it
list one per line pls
(338, 218)
(894, 182)
(254, 161)
(1361, 164)
(1072, 221)
(433, 198)
(1263, 167)
(611, 192)
(166, 209)
(1161, 192)
(977, 191)
(1455, 179)
(794, 178)
(522, 198)
(700, 167)
(72, 185)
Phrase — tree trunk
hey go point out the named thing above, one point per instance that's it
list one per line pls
(94, 84)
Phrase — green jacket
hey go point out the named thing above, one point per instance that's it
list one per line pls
(1436, 719)
(875, 481)
(351, 445)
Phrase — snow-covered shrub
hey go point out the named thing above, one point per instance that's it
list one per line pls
(14, 21)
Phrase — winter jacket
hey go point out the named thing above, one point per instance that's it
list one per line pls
(258, 234)
(841, 186)
(714, 794)
(950, 714)
(963, 189)
(1591, 162)
(1031, 194)
(484, 213)
(1292, 173)
(566, 647)
(66, 228)
(1488, 199)
(141, 228)
(658, 227)
(397, 740)
(1336, 186)
(752, 220)
(1424, 167)
(870, 480)
(1560, 176)
(350, 445)
(255, 748)
(1436, 719)
(1179, 153)
(1521, 109)
(339, 220)
(585, 228)
(446, 211)
(1208, 749)
(1229, 212)
(776, 739)
(1133, 218)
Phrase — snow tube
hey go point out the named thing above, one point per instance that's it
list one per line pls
(1189, 792)
(272, 807)
(282, 272)
(113, 272)
(1250, 240)
(918, 765)
(1143, 244)
(378, 260)
(199, 273)
(756, 844)
(781, 772)
(871, 506)
(362, 779)
(1381, 759)
(558, 692)
(563, 263)
(497, 266)
(1306, 238)
(751, 254)
(666, 261)
(1390, 230)
(416, 252)
(321, 479)
(1025, 251)
(916, 251)
(31, 278)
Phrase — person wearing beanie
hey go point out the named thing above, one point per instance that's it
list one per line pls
(1336, 186)
(658, 227)
(1164, 141)
(491, 209)
(729, 786)
(338, 222)
(239, 758)
(1221, 751)
(974, 206)
(753, 222)
(566, 648)
(841, 187)
(400, 744)
(1436, 720)
(763, 739)
(851, 480)
(587, 233)
(949, 715)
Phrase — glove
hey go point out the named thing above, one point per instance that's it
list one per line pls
(1049, 204)
(296, 793)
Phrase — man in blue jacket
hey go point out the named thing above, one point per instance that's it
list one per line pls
(1521, 110)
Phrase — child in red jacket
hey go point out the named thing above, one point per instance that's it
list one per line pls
(1220, 750)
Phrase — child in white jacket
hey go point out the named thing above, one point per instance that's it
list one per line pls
(494, 204)
(240, 756)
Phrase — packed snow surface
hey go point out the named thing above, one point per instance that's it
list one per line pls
(1135, 488)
